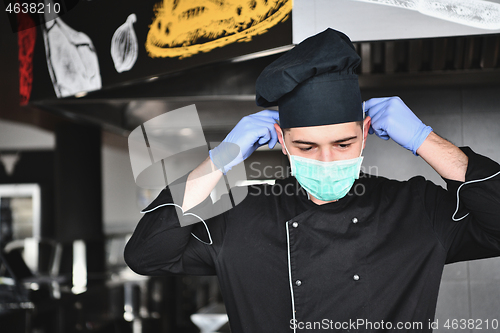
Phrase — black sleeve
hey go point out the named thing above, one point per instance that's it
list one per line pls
(160, 246)
(469, 228)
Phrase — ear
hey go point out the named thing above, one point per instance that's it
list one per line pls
(367, 123)
(280, 137)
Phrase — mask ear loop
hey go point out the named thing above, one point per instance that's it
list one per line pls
(284, 145)
(291, 161)
(362, 133)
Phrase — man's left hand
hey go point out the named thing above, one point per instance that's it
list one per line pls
(391, 118)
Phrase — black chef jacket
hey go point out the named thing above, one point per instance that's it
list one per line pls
(285, 264)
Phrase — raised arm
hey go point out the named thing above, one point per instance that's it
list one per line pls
(444, 157)
(250, 133)
(162, 243)
(466, 217)
(391, 118)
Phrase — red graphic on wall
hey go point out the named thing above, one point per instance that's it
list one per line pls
(26, 38)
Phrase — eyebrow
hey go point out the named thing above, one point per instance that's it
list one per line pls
(314, 143)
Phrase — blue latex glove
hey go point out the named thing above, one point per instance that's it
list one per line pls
(250, 133)
(391, 118)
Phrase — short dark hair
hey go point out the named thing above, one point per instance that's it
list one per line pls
(359, 123)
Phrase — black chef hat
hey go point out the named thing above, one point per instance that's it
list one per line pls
(314, 83)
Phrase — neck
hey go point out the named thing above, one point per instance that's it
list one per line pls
(317, 201)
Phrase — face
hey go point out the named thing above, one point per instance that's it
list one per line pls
(325, 143)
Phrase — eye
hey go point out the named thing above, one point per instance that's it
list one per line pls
(344, 145)
(305, 149)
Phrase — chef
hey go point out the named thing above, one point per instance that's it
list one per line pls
(329, 248)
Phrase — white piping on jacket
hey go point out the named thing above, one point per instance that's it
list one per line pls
(184, 214)
(290, 275)
(458, 197)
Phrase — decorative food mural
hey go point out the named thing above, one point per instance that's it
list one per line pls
(474, 13)
(71, 58)
(124, 46)
(26, 38)
(182, 28)
(81, 55)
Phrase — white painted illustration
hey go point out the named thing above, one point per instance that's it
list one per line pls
(71, 57)
(474, 13)
(9, 162)
(124, 46)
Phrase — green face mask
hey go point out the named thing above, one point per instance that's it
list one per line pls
(326, 181)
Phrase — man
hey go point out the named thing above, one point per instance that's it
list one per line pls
(316, 254)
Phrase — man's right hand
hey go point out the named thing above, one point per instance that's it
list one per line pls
(250, 133)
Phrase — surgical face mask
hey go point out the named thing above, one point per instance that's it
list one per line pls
(326, 181)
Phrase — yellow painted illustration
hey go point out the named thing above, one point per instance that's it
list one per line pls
(182, 28)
